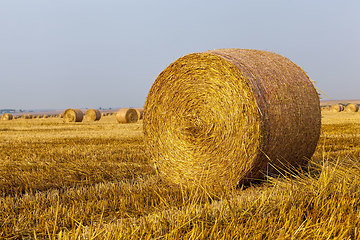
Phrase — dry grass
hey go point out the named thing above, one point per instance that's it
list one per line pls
(93, 181)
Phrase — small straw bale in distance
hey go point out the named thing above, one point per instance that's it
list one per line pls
(73, 115)
(7, 116)
(351, 107)
(127, 115)
(225, 117)
(337, 108)
(26, 116)
(92, 115)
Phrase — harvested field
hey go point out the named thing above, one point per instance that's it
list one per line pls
(93, 181)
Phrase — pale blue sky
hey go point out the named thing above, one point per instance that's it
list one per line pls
(87, 53)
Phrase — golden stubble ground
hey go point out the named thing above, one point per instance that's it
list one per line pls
(92, 180)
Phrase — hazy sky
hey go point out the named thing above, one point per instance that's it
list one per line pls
(87, 53)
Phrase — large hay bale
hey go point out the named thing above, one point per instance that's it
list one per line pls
(337, 108)
(92, 115)
(351, 107)
(140, 112)
(73, 115)
(127, 115)
(7, 116)
(228, 116)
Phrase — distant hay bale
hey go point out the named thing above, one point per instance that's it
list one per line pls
(92, 115)
(127, 115)
(73, 115)
(140, 112)
(7, 117)
(337, 108)
(60, 115)
(351, 107)
(26, 116)
(228, 116)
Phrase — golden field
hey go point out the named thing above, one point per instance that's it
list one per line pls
(92, 180)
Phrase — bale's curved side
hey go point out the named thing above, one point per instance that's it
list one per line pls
(73, 115)
(140, 112)
(351, 107)
(92, 115)
(127, 115)
(7, 117)
(229, 116)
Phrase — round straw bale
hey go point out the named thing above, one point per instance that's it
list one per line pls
(73, 115)
(92, 115)
(7, 116)
(26, 116)
(140, 112)
(228, 116)
(351, 107)
(337, 108)
(127, 115)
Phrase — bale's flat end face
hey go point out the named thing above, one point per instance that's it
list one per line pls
(200, 119)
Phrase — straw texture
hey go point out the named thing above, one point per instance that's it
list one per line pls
(73, 115)
(92, 115)
(229, 116)
(127, 115)
(7, 116)
(351, 107)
